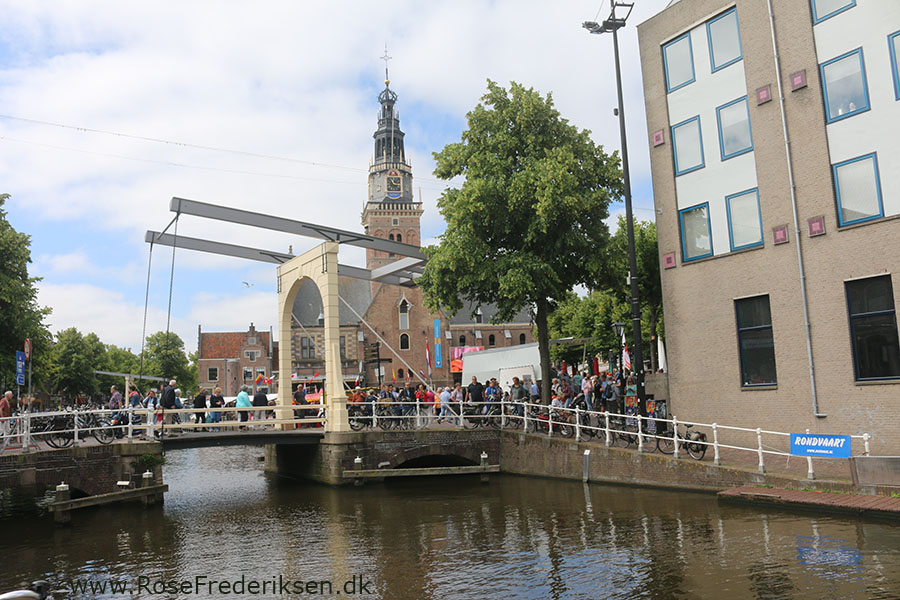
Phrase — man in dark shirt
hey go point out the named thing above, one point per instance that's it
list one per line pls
(259, 400)
(475, 392)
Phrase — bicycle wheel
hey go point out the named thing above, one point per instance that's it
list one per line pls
(471, 421)
(696, 450)
(356, 423)
(587, 429)
(60, 439)
(566, 430)
(103, 432)
(665, 444)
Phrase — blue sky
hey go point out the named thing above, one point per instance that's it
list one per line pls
(296, 82)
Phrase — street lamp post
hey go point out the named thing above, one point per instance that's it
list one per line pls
(613, 24)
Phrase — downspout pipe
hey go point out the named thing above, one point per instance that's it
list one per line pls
(790, 170)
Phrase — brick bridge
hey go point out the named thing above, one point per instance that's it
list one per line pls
(336, 452)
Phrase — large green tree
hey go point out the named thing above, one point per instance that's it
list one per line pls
(164, 357)
(590, 316)
(20, 315)
(527, 223)
(74, 358)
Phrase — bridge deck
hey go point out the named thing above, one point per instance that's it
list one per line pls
(206, 439)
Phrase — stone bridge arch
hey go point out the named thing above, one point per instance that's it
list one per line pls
(438, 453)
(320, 265)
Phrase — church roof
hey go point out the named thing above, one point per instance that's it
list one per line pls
(464, 316)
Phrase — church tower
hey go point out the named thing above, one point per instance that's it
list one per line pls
(390, 212)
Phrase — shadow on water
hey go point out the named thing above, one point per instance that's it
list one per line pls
(454, 537)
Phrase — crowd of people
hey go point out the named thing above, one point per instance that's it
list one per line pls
(603, 392)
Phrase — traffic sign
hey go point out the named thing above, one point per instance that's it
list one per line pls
(20, 368)
(27, 348)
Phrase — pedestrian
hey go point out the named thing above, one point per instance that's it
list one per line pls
(587, 388)
(243, 402)
(5, 413)
(259, 399)
(215, 401)
(456, 399)
(430, 399)
(565, 392)
(475, 392)
(517, 395)
(612, 398)
(115, 404)
(151, 403)
(167, 401)
(200, 402)
(446, 411)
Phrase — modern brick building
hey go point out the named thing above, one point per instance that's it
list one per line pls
(775, 160)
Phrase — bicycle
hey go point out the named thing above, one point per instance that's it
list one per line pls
(692, 441)
(16, 426)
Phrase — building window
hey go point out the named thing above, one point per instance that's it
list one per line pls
(395, 221)
(894, 43)
(756, 345)
(248, 374)
(687, 145)
(479, 317)
(844, 86)
(343, 347)
(399, 238)
(744, 221)
(679, 63)
(491, 340)
(212, 374)
(858, 190)
(521, 338)
(391, 237)
(404, 314)
(261, 371)
(724, 40)
(734, 128)
(251, 355)
(404, 341)
(873, 328)
(823, 9)
(696, 235)
(251, 341)
(307, 348)
(462, 340)
(477, 334)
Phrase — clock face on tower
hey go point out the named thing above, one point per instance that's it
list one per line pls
(392, 184)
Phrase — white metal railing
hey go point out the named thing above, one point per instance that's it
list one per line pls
(70, 427)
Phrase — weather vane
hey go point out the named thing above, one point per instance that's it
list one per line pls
(386, 58)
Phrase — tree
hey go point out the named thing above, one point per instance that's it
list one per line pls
(649, 285)
(20, 315)
(590, 316)
(74, 358)
(117, 360)
(164, 357)
(527, 224)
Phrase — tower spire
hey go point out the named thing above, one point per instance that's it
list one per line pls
(386, 58)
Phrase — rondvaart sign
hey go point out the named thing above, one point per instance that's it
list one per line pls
(822, 446)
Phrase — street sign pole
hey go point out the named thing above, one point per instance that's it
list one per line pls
(28, 358)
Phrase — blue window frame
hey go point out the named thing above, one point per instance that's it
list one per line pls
(735, 137)
(844, 86)
(696, 232)
(894, 46)
(678, 59)
(744, 219)
(724, 40)
(687, 146)
(858, 190)
(873, 328)
(825, 9)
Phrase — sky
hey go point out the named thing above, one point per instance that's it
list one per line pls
(109, 109)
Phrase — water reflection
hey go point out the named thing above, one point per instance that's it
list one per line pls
(454, 538)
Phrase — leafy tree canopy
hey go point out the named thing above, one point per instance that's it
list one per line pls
(20, 315)
(527, 224)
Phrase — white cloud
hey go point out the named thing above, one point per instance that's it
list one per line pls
(295, 80)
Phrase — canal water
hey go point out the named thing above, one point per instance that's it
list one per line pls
(225, 522)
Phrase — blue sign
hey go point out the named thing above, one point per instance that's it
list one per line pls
(822, 446)
(438, 353)
(20, 367)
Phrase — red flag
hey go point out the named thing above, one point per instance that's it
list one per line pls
(314, 376)
(409, 374)
(626, 358)
(427, 356)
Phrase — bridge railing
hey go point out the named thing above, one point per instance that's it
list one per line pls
(63, 428)
(646, 433)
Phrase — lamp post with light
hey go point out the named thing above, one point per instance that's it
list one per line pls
(612, 25)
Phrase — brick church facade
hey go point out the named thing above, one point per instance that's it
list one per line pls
(404, 325)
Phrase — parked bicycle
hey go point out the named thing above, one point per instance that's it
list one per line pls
(539, 420)
(62, 432)
(692, 441)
